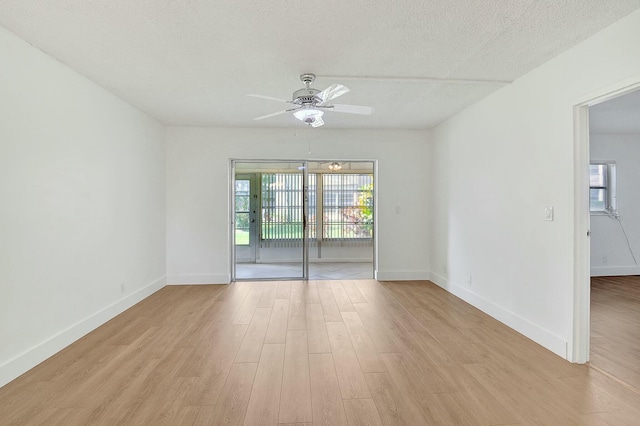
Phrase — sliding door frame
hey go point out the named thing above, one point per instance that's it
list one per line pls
(305, 212)
(305, 245)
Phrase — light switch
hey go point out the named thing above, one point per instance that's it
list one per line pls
(548, 213)
(397, 209)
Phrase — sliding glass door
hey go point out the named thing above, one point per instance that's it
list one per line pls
(341, 216)
(245, 216)
(270, 205)
(302, 219)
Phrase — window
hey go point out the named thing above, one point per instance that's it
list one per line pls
(347, 206)
(346, 210)
(242, 211)
(602, 187)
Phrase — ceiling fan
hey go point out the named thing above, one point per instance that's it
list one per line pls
(309, 104)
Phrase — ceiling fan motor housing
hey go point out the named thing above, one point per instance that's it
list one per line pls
(306, 96)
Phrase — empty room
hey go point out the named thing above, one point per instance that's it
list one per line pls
(342, 213)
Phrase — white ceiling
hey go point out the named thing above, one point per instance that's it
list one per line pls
(620, 115)
(192, 62)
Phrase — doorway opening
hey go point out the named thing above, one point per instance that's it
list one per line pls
(302, 219)
(598, 210)
(614, 207)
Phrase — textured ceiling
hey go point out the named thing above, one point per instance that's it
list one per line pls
(619, 115)
(192, 62)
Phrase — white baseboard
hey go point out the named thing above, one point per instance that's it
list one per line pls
(34, 356)
(401, 275)
(614, 271)
(193, 279)
(545, 338)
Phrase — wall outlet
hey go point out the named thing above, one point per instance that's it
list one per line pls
(469, 280)
(444, 268)
(604, 260)
(122, 288)
(548, 213)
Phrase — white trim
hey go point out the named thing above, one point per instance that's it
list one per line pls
(545, 338)
(231, 192)
(376, 217)
(40, 352)
(578, 350)
(198, 279)
(614, 271)
(607, 93)
(401, 275)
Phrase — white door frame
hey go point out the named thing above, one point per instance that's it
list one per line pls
(582, 248)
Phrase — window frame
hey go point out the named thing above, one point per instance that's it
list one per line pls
(339, 207)
(609, 187)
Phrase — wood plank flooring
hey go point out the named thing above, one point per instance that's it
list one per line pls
(615, 327)
(311, 353)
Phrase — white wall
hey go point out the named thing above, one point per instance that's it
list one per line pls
(82, 184)
(610, 254)
(497, 165)
(198, 192)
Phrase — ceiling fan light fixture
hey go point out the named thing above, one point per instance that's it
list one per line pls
(309, 116)
(308, 103)
(335, 166)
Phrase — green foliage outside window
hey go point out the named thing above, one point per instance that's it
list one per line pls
(365, 202)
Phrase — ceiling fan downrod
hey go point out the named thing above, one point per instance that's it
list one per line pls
(307, 79)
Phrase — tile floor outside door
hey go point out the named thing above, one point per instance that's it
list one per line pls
(317, 271)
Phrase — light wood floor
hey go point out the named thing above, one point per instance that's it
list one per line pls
(615, 327)
(317, 353)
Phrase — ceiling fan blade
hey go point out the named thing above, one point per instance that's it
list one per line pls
(352, 109)
(269, 98)
(332, 92)
(272, 115)
(317, 122)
